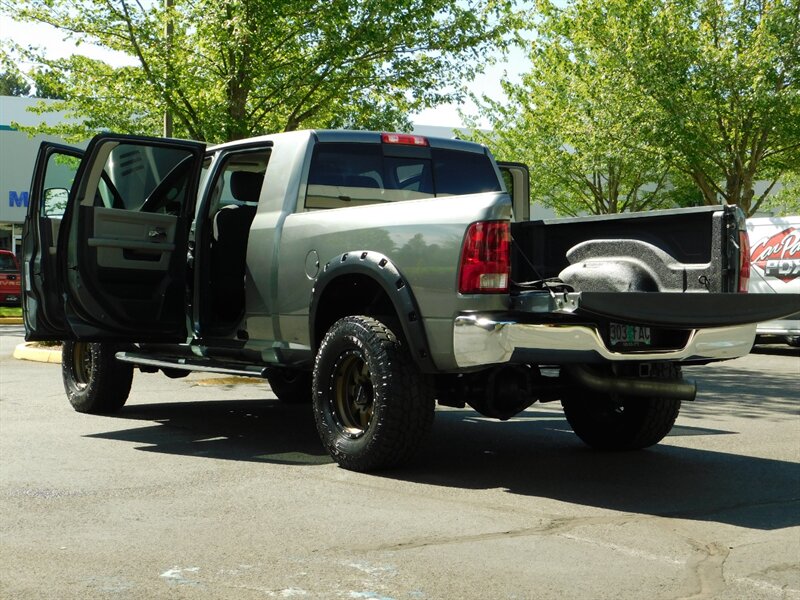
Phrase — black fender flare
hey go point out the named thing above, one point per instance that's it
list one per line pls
(385, 273)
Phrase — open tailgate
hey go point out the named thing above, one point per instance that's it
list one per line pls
(662, 309)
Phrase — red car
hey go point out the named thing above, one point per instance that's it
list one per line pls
(10, 290)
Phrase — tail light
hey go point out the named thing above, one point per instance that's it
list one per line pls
(485, 258)
(404, 139)
(744, 261)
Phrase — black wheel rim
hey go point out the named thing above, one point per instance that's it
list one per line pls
(353, 398)
(82, 364)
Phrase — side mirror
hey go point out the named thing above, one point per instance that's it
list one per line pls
(54, 202)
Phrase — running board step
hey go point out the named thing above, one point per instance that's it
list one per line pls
(207, 365)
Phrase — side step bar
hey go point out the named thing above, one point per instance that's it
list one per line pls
(207, 365)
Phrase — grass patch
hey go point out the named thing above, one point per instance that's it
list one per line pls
(10, 311)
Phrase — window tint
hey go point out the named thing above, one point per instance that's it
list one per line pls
(346, 174)
(7, 262)
(144, 178)
(463, 173)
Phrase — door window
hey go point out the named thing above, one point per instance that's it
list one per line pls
(141, 178)
(238, 181)
(60, 173)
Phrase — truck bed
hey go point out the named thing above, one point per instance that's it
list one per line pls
(693, 237)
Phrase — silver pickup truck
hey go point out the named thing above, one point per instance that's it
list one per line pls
(374, 275)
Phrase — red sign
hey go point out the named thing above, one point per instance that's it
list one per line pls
(779, 255)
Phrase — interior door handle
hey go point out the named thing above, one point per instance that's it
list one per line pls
(157, 234)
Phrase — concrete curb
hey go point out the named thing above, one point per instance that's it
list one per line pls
(10, 320)
(29, 351)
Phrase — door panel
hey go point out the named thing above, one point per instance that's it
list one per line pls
(132, 240)
(124, 241)
(43, 307)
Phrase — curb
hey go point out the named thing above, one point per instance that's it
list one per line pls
(28, 351)
(10, 320)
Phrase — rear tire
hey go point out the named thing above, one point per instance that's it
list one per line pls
(372, 406)
(94, 380)
(610, 422)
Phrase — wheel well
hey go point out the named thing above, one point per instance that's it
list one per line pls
(353, 294)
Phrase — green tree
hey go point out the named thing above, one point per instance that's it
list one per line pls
(716, 81)
(580, 127)
(12, 83)
(723, 78)
(786, 201)
(709, 86)
(226, 69)
(48, 84)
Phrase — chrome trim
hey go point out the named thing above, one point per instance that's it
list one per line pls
(480, 340)
(790, 327)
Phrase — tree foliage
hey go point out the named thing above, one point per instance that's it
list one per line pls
(579, 127)
(227, 69)
(12, 82)
(786, 201)
(708, 87)
(723, 78)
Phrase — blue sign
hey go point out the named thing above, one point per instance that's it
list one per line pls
(17, 199)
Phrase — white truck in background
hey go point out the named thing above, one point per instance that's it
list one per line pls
(775, 269)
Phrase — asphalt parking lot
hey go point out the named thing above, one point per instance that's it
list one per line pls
(208, 487)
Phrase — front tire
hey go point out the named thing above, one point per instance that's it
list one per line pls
(94, 380)
(611, 422)
(291, 386)
(372, 405)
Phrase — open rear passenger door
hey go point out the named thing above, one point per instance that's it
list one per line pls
(42, 305)
(123, 243)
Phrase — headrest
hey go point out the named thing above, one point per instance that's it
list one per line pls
(246, 185)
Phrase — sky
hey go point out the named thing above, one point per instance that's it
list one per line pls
(446, 115)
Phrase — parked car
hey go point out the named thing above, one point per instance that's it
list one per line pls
(10, 291)
(775, 269)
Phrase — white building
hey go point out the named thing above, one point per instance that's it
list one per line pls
(17, 156)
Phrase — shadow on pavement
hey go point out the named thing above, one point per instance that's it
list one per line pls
(776, 350)
(755, 395)
(251, 430)
(540, 457)
(535, 455)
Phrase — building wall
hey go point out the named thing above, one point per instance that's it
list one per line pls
(17, 156)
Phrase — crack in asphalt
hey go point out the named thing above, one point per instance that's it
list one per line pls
(558, 526)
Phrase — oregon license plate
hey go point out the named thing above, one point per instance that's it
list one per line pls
(629, 335)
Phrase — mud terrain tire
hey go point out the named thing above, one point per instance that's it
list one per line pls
(94, 380)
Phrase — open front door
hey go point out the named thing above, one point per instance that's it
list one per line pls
(123, 246)
(517, 180)
(42, 305)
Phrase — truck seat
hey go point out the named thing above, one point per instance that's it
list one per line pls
(231, 230)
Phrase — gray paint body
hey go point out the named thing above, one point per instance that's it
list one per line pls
(423, 238)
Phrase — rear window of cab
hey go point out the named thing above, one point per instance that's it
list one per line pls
(353, 174)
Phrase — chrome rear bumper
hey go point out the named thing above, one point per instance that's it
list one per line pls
(485, 340)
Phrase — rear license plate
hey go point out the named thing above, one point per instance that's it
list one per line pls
(629, 335)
